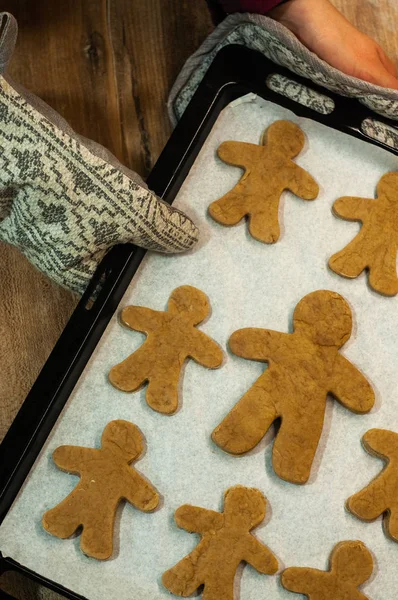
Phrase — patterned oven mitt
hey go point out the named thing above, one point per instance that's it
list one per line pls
(65, 200)
(277, 43)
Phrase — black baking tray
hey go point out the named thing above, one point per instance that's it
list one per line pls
(235, 72)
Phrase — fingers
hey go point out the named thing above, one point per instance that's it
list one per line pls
(379, 76)
(327, 33)
(376, 67)
(387, 62)
(388, 81)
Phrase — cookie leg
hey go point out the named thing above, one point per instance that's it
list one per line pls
(371, 502)
(162, 392)
(64, 519)
(230, 209)
(264, 224)
(247, 423)
(97, 536)
(383, 271)
(184, 578)
(295, 447)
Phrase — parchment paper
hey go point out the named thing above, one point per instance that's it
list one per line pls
(249, 284)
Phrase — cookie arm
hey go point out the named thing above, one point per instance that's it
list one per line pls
(301, 579)
(197, 520)
(139, 492)
(376, 499)
(205, 351)
(353, 209)
(140, 318)
(303, 184)
(372, 501)
(73, 459)
(350, 387)
(257, 344)
(381, 442)
(239, 154)
(259, 556)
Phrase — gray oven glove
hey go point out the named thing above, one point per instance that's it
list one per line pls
(278, 44)
(64, 200)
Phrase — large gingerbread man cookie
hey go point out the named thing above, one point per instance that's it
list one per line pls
(303, 368)
(380, 497)
(172, 337)
(375, 247)
(226, 542)
(105, 480)
(269, 170)
(351, 564)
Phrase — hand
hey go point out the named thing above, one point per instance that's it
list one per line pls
(65, 200)
(324, 30)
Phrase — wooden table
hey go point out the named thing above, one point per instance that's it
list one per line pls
(107, 67)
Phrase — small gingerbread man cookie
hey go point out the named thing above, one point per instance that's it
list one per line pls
(269, 170)
(304, 367)
(105, 480)
(226, 542)
(351, 564)
(375, 247)
(381, 495)
(172, 337)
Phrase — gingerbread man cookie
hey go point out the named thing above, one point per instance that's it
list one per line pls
(269, 170)
(375, 246)
(171, 338)
(303, 368)
(381, 495)
(351, 564)
(226, 542)
(105, 480)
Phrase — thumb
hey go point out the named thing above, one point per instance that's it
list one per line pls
(170, 230)
(149, 222)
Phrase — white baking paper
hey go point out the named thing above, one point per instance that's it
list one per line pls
(248, 284)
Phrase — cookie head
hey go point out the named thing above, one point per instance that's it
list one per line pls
(353, 562)
(244, 507)
(324, 317)
(124, 439)
(189, 302)
(388, 186)
(285, 137)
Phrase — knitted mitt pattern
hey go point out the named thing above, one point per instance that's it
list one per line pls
(65, 201)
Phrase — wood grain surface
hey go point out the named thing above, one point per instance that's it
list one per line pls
(107, 67)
